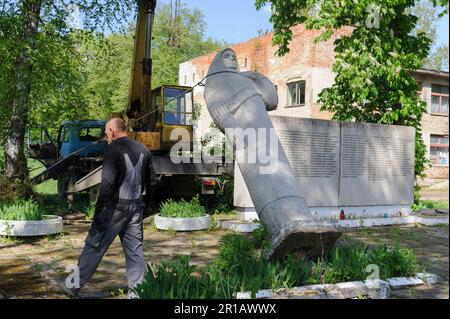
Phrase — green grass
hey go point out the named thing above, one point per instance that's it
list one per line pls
(21, 210)
(182, 208)
(429, 204)
(241, 267)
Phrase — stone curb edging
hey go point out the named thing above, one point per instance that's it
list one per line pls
(182, 224)
(50, 226)
(238, 226)
(374, 289)
(355, 223)
(247, 227)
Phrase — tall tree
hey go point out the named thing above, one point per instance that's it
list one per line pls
(428, 15)
(28, 25)
(28, 18)
(373, 82)
(438, 60)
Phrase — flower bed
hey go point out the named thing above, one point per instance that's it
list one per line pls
(26, 218)
(182, 216)
(49, 225)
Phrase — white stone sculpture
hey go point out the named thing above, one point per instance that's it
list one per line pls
(240, 100)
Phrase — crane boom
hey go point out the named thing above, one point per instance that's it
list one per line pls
(139, 98)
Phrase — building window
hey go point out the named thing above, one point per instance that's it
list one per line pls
(439, 150)
(439, 99)
(296, 93)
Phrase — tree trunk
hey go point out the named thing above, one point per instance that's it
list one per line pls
(16, 164)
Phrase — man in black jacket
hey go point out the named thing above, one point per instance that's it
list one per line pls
(127, 171)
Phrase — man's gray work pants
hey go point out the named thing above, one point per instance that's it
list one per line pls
(123, 219)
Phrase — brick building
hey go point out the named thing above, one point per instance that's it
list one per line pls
(302, 74)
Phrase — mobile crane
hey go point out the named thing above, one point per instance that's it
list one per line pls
(151, 115)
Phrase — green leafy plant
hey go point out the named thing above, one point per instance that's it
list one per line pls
(428, 204)
(182, 208)
(21, 210)
(90, 211)
(262, 237)
(235, 249)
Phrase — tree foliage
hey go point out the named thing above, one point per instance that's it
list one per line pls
(178, 40)
(373, 64)
(438, 60)
(428, 15)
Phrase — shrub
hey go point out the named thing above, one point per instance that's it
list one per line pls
(182, 208)
(21, 210)
(394, 261)
(235, 249)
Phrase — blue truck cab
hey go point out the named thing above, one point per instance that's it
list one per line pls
(72, 136)
(76, 135)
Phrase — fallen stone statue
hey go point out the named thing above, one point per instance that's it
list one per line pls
(238, 103)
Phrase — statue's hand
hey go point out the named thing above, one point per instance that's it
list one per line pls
(265, 87)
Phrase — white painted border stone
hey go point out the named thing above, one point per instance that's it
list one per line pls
(429, 279)
(48, 226)
(403, 282)
(237, 226)
(182, 224)
(374, 289)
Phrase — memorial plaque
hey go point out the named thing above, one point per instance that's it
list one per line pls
(377, 164)
(344, 164)
(312, 148)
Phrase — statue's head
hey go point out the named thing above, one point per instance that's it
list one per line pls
(229, 60)
(225, 60)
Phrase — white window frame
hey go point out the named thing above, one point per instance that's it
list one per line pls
(440, 96)
(440, 148)
(298, 99)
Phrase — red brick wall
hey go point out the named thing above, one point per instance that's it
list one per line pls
(259, 51)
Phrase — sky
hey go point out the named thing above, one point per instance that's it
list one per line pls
(231, 20)
(238, 21)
